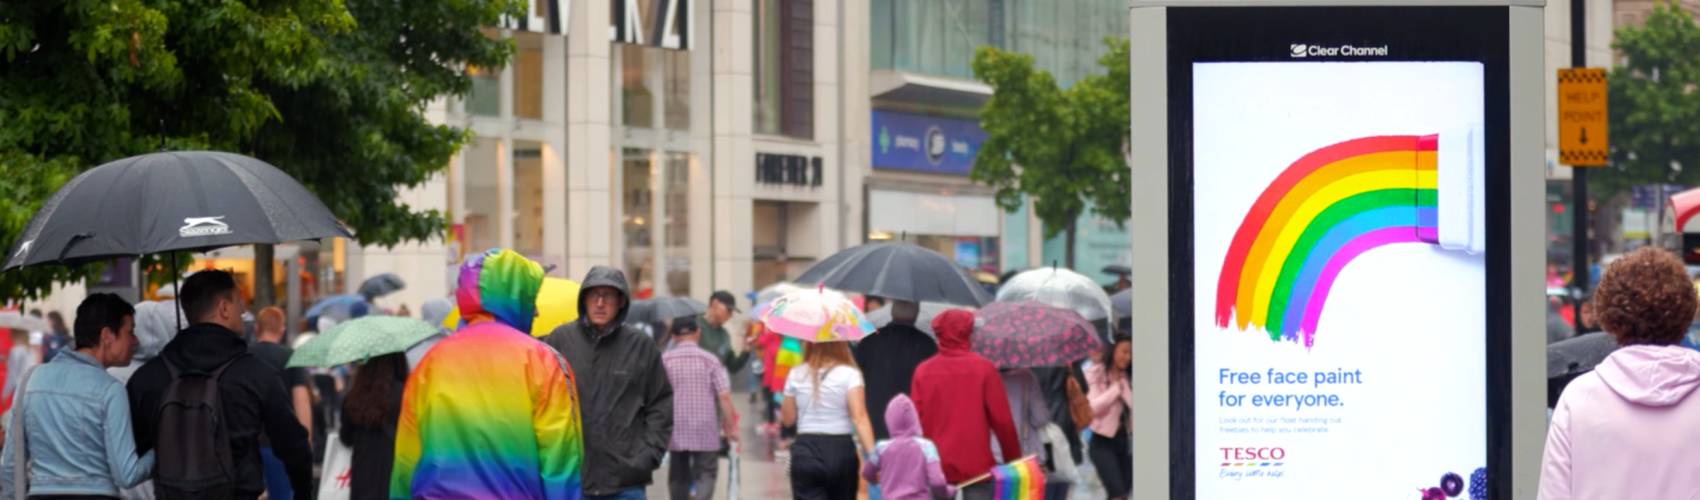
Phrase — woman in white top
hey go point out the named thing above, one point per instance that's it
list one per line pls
(823, 398)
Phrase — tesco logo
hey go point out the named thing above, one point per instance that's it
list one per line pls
(1274, 453)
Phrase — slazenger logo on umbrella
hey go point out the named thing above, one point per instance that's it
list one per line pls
(203, 226)
(23, 249)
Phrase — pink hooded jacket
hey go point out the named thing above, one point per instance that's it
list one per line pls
(906, 466)
(1628, 429)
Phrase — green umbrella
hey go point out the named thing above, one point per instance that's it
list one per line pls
(312, 352)
(372, 336)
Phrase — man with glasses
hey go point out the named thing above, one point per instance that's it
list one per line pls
(624, 394)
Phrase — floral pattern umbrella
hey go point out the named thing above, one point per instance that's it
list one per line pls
(1029, 334)
(817, 315)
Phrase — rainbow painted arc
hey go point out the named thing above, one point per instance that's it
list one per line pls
(1326, 209)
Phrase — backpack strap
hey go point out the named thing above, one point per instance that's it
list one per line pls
(19, 440)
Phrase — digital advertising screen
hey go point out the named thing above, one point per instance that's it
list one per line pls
(1339, 173)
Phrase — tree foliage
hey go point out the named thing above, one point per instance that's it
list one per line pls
(1654, 104)
(329, 91)
(1065, 148)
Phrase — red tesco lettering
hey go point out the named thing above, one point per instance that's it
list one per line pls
(1268, 453)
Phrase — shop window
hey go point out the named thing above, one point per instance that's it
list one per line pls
(528, 198)
(784, 92)
(528, 76)
(483, 199)
(485, 98)
(678, 229)
(678, 105)
(637, 221)
(637, 100)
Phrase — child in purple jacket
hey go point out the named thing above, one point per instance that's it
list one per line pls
(906, 467)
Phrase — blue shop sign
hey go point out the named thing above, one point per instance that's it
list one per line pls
(921, 143)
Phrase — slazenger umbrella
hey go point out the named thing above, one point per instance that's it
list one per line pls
(896, 270)
(171, 201)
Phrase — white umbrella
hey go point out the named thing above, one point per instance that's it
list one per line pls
(19, 321)
(1060, 288)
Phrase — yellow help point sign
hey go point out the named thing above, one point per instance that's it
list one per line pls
(1582, 117)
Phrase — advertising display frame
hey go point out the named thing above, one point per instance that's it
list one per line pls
(1175, 35)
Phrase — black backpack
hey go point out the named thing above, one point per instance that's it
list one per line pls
(193, 457)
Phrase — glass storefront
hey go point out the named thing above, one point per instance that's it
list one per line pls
(483, 199)
(528, 198)
(678, 224)
(939, 37)
(636, 221)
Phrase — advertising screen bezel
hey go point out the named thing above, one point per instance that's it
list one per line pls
(1265, 34)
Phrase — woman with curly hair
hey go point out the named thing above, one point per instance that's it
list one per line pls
(1628, 428)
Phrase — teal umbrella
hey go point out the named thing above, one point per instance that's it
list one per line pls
(362, 339)
(312, 352)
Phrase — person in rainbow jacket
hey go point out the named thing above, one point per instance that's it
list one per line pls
(491, 412)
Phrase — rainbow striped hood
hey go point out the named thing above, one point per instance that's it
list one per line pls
(503, 284)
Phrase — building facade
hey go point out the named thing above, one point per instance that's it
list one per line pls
(695, 144)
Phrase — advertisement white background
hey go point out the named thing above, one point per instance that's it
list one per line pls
(1410, 316)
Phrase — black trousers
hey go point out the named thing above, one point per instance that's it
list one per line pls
(824, 467)
(1113, 458)
(690, 471)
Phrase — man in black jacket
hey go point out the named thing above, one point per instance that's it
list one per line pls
(250, 392)
(888, 359)
(625, 400)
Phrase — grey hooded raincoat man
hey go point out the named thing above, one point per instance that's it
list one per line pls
(624, 398)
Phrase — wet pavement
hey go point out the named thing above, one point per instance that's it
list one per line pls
(763, 477)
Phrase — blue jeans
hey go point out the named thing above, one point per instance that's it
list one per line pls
(277, 478)
(630, 494)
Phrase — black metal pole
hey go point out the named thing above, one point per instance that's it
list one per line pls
(1580, 274)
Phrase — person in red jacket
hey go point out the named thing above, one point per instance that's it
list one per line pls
(960, 397)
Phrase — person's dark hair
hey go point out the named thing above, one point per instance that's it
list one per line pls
(56, 321)
(1645, 298)
(1110, 350)
(683, 325)
(98, 311)
(369, 402)
(202, 291)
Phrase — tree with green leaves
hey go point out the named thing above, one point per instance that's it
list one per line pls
(1067, 149)
(1654, 107)
(330, 91)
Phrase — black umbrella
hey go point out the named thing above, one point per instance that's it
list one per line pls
(664, 309)
(1570, 358)
(1117, 270)
(899, 271)
(171, 201)
(381, 285)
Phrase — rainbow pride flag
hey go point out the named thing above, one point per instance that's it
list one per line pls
(1019, 480)
(790, 352)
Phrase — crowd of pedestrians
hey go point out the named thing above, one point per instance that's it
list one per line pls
(134, 407)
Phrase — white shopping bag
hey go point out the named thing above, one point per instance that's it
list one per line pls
(732, 473)
(333, 483)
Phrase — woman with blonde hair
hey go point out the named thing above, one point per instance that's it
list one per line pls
(824, 399)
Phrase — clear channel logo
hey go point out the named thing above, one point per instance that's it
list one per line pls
(1306, 50)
